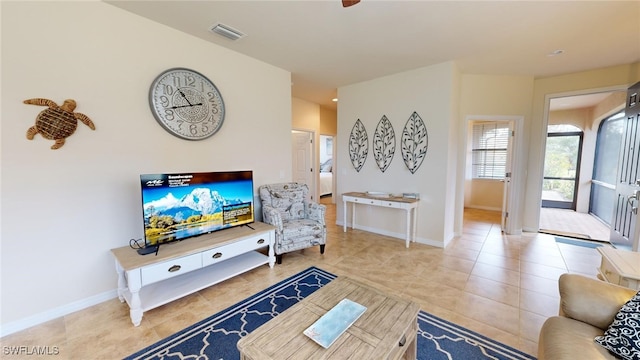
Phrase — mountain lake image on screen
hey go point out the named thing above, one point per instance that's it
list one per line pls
(183, 205)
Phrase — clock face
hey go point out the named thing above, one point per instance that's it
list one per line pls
(186, 104)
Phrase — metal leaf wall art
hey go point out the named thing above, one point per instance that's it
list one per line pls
(358, 145)
(415, 141)
(384, 143)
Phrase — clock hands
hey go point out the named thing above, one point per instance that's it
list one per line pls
(188, 102)
(184, 96)
(181, 106)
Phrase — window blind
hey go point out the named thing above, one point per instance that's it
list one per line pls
(489, 150)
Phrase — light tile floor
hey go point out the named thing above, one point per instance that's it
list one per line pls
(503, 287)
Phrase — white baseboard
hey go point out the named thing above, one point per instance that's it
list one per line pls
(37, 319)
(400, 236)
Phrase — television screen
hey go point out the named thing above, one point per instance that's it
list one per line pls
(179, 206)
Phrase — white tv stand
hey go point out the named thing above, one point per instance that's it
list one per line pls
(181, 268)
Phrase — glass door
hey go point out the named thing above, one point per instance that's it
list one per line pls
(605, 167)
(561, 167)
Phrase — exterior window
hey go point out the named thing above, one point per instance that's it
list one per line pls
(562, 166)
(489, 149)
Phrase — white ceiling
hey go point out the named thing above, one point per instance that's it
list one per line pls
(577, 101)
(326, 46)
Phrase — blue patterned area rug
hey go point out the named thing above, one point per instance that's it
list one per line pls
(440, 339)
(215, 338)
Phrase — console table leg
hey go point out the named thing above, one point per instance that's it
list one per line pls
(353, 216)
(415, 223)
(409, 232)
(344, 216)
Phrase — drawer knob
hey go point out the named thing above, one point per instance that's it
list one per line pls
(402, 341)
(261, 241)
(175, 268)
(217, 255)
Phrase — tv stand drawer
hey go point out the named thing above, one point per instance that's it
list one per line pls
(225, 252)
(170, 268)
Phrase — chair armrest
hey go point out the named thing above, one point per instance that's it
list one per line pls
(315, 211)
(592, 301)
(271, 215)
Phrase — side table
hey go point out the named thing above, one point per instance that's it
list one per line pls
(620, 267)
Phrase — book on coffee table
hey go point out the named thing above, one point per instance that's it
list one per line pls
(336, 321)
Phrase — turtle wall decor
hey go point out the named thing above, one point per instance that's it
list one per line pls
(57, 122)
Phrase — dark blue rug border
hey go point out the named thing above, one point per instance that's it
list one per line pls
(482, 340)
(186, 332)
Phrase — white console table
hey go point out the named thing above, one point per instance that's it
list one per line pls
(409, 205)
(181, 268)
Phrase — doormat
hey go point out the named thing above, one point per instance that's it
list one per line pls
(583, 243)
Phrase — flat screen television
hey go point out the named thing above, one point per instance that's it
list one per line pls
(183, 205)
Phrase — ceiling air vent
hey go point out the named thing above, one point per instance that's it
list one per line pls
(227, 31)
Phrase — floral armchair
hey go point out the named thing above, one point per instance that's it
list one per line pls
(299, 222)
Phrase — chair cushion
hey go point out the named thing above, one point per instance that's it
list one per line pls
(623, 335)
(301, 229)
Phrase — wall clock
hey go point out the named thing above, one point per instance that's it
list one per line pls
(186, 103)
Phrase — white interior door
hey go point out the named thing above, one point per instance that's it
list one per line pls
(506, 225)
(302, 159)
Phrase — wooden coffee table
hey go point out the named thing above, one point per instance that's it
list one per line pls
(386, 330)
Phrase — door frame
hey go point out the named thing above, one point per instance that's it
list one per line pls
(511, 224)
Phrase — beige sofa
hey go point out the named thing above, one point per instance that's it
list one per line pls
(587, 308)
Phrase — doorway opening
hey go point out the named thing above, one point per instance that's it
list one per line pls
(570, 176)
(327, 171)
(491, 149)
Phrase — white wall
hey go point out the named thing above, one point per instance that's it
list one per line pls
(431, 92)
(64, 210)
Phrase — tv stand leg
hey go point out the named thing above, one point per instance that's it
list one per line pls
(135, 284)
(272, 255)
(122, 282)
(136, 309)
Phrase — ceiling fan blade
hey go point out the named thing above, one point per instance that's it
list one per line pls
(347, 3)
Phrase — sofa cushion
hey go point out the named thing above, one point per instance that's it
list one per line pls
(564, 338)
(623, 335)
